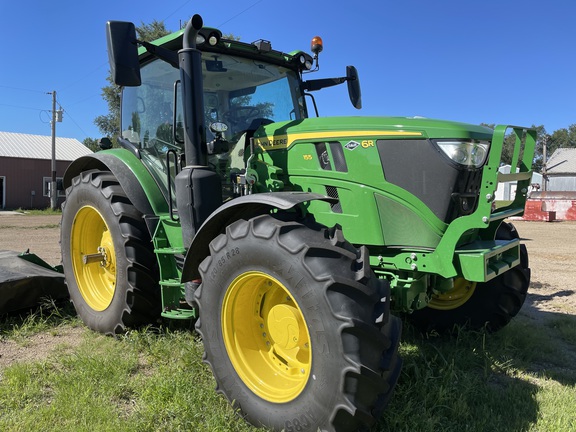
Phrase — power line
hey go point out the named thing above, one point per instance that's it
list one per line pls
(84, 99)
(85, 76)
(21, 89)
(177, 9)
(240, 13)
(21, 107)
(49, 116)
(72, 119)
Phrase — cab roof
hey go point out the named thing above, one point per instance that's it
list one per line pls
(173, 42)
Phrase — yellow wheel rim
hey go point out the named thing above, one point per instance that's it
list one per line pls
(456, 297)
(93, 258)
(266, 337)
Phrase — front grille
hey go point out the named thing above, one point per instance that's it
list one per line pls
(418, 166)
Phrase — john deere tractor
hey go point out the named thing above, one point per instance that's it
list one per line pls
(288, 237)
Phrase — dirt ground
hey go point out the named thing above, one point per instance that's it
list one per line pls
(551, 247)
(551, 250)
(40, 234)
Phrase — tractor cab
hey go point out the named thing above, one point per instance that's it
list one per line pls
(201, 109)
(239, 95)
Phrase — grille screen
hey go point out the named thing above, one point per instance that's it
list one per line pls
(332, 192)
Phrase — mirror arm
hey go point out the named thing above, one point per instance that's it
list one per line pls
(162, 53)
(317, 84)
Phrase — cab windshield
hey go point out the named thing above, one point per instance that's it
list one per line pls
(238, 92)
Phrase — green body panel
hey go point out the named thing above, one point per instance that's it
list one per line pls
(173, 41)
(401, 232)
(375, 212)
(144, 177)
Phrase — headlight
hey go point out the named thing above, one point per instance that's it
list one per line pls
(467, 153)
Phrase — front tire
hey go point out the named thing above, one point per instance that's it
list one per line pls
(107, 256)
(293, 323)
(490, 305)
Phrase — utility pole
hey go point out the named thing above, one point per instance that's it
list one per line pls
(53, 191)
(544, 161)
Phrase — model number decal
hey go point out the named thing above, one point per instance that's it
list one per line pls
(353, 145)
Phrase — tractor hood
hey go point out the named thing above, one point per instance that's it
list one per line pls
(283, 134)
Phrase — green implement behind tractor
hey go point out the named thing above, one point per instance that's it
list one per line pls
(289, 237)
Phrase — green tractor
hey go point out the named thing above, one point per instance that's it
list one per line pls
(287, 236)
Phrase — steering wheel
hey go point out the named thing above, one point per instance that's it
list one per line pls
(158, 148)
(239, 115)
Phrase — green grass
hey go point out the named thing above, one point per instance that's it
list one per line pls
(147, 380)
(48, 317)
(515, 380)
(154, 380)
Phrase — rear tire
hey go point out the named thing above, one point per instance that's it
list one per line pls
(295, 326)
(490, 305)
(118, 289)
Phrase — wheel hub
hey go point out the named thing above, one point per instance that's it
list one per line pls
(454, 298)
(284, 324)
(100, 257)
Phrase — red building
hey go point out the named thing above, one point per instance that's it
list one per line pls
(26, 168)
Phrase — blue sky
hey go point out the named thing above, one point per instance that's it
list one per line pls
(492, 61)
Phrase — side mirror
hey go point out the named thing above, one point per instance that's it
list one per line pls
(123, 53)
(354, 86)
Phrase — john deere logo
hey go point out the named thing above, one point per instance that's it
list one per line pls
(352, 145)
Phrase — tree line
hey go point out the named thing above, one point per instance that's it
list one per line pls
(561, 138)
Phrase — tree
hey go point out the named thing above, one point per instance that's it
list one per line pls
(562, 138)
(152, 31)
(509, 142)
(109, 124)
(91, 143)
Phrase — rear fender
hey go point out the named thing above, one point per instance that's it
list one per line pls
(134, 178)
(245, 207)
